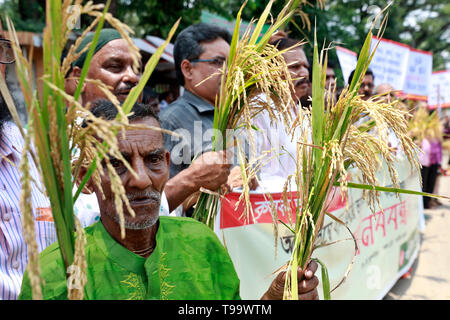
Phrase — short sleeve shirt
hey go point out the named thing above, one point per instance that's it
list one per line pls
(192, 118)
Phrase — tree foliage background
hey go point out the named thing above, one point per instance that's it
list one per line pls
(423, 24)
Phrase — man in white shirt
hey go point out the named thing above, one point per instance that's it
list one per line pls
(273, 136)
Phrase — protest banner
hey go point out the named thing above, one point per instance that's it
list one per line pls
(388, 241)
(347, 60)
(418, 75)
(439, 90)
(390, 62)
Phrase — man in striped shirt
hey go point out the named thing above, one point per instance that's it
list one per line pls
(13, 249)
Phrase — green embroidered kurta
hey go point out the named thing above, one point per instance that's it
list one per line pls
(188, 263)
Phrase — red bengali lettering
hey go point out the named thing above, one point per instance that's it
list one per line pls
(396, 214)
(367, 232)
(381, 222)
(234, 216)
(393, 215)
(403, 212)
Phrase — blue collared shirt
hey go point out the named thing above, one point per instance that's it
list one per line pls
(192, 118)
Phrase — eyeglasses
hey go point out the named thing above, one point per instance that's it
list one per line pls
(6, 52)
(218, 62)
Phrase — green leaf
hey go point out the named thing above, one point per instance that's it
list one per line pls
(149, 67)
(292, 230)
(318, 104)
(235, 38)
(265, 38)
(90, 53)
(390, 189)
(259, 26)
(325, 280)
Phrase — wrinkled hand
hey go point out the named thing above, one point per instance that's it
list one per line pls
(307, 287)
(235, 180)
(210, 170)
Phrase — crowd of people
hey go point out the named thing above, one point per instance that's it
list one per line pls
(171, 171)
(200, 266)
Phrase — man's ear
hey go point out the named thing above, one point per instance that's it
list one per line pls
(76, 73)
(186, 69)
(88, 187)
(167, 174)
(168, 158)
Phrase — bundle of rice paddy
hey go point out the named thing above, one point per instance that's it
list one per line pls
(425, 125)
(340, 141)
(253, 67)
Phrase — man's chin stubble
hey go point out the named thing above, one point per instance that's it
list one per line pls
(141, 225)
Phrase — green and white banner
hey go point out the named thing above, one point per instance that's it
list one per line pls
(388, 240)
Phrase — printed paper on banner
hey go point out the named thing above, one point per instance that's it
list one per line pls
(390, 62)
(418, 75)
(347, 60)
(440, 90)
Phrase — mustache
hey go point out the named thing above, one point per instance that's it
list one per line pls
(126, 87)
(146, 194)
(301, 81)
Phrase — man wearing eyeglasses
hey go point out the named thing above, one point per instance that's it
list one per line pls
(13, 249)
(367, 84)
(6, 57)
(200, 52)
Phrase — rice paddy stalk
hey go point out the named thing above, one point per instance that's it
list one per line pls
(55, 130)
(253, 68)
(339, 143)
(27, 218)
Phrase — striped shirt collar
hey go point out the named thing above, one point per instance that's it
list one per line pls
(10, 139)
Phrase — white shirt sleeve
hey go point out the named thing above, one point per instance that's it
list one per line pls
(164, 208)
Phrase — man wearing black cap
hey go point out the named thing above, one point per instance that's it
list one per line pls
(112, 64)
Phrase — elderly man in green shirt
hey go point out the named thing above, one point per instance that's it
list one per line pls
(160, 257)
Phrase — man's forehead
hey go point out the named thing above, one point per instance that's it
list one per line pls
(144, 140)
(143, 132)
(217, 47)
(115, 49)
(295, 55)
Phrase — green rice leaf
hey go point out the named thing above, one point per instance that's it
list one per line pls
(149, 67)
(235, 38)
(259, 26)
(325, 280)
(90, 53)
(318, 105)
(395, 190)
(284, 224)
